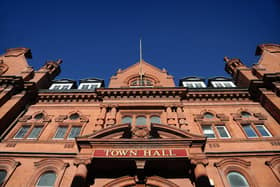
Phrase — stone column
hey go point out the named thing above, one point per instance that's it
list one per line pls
(81, 174)
(200, 173)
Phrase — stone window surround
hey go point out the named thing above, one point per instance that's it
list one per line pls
(213, 125)
(274, 165)
(9, 165)
(69, 127)
(134, 115)
(228, 165)
(32, 126)
(55, 165)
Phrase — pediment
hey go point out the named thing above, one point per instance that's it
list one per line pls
(156, 131)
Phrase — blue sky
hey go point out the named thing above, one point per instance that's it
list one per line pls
(95, 38)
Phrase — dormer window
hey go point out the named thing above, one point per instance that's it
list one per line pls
(89, 86)
(223, 84)
(141, 82)
(57, 86)
(194, 84)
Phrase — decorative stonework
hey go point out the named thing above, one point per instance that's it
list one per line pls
(274, 165)
(9, 165)
(140, 132)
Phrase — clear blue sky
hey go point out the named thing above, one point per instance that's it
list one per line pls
(95, 38)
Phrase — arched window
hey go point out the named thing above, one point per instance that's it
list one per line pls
(39, 116)
(155, 119)
(141, 82)
(208, 115)
(74, 116)
(3, 175)
(235, 179)
(141, 120)
(47, 179)
(245, 114)
(126, 119)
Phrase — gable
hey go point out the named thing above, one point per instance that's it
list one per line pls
(160, 78)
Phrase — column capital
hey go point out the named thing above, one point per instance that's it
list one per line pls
(196, 161)
(77, 162)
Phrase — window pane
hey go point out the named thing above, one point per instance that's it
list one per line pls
(249, 131)
(223, 132)
(245, 114)
(208, 115)
(208, 131)
(141, 121)
(22, 132)
(237, 180)
(47, 180)
(263, 130)
(75, 131)
(126, 119)
(60, 133)
(35, 132)
(155, 119)
(3, 175)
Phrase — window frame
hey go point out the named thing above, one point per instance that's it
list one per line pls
(254, 125)
(215, 83)
(214, 126)
(61, 85)
(239, 175)
(54, 182)
(69, 127)
(97, 85)
(29, 131)
(193, 84)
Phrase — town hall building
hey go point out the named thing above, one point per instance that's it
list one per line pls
(143, 129)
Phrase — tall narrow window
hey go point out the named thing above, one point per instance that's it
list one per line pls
(126, 119)
(3, 175)
(249, 131)
(141, 120)
(155, 119)
(75, 131)
(35, 132)
(208, 131)
(22, 132)
(60, 132)
(263, 131)
(46, 180)
(235, 179)
(223, 132)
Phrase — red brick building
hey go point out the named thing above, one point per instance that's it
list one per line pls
(141, 130)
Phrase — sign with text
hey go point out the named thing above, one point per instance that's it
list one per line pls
(139, 153)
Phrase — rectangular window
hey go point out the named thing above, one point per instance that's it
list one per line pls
(249, 131)
(194, 84)
(208, 131)
(22, 132)
(222, 130)
(60, 132)
(223, 84)
(263, 131)
(75, 131)
(35, 132)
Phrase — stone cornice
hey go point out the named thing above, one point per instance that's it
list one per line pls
(111, 93)
(57, 97)
(218, 94)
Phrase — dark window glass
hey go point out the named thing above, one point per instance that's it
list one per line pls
(223, 132)
(208, 115)
(39, 116)
(235, 179)
(75, 131)
(249, 131)
(126, 119)
(3, 175)
(74, 116)
(208, 131)
(245, 114)
(141, 120)
(263, 131)
(22, 132)
(35, 132)
(60, 133)
(47, 180)
(155, 119)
